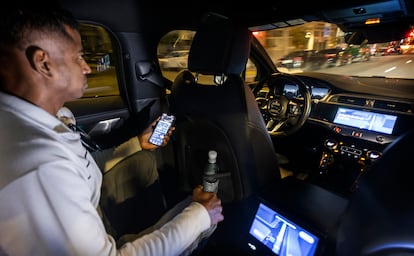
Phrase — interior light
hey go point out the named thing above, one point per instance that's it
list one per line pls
(372, 21)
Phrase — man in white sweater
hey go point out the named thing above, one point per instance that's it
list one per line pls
(49, 183)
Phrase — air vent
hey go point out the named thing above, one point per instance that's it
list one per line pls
(352, 100)
(392, 105)
(397, 106)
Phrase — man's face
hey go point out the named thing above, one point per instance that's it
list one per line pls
(70, 68)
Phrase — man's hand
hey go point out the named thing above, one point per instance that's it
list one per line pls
(145, 135)
(211, 202)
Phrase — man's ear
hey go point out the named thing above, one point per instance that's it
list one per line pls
(38, 59)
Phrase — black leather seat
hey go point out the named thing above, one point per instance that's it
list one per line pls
(379, 219)
(223, 116)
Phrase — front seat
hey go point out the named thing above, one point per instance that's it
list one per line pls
(216, 110)
(379, 218)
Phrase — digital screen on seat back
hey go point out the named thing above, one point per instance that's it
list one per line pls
(282, 236)
(365, 120)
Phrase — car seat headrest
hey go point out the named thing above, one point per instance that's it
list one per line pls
(219, 48)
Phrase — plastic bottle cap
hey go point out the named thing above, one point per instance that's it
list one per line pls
(212, 156)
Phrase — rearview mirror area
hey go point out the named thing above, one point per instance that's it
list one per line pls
(355, 38)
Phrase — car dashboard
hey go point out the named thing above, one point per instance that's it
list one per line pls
(347, 129)
(375, 118)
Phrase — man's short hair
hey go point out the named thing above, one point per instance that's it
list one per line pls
(23, 17)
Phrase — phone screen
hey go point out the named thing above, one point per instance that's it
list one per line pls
(162, 127)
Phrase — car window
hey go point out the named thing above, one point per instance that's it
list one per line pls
(98, 47)
(321, 47)
(251, 71)
(312, 46)
(173, 50)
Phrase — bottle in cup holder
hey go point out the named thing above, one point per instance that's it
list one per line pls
(210, 180)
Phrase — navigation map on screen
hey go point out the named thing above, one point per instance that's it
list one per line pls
(280, 235)
(365, 120)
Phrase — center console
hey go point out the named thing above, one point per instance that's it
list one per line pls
(343, 161)
(356, 139)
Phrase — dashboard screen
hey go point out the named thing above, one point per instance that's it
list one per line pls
(365, 120)
(280, 235)
(292, 91)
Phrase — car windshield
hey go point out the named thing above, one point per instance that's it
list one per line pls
(321, 47)
(312, 46)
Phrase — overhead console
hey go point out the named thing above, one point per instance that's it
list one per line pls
(381, 16)
(357, 15)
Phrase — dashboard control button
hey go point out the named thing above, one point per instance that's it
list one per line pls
(357, 134)
(337, 129)
(373, 154)
(351, 151)
(331, 144)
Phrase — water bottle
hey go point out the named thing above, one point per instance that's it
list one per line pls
(210, 181)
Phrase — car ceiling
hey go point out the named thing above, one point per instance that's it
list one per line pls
(350, 15)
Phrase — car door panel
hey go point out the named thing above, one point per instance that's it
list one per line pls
(93, 113)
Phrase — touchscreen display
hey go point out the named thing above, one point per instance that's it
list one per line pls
(280, 235)
(365, 120)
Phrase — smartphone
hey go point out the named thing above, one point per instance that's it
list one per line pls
(161, 129)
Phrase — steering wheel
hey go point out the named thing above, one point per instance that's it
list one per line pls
(286, 106)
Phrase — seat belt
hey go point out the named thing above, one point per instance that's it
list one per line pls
(66, 116)
(145, 72)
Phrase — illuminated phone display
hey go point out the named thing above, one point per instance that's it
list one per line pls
(161, 129)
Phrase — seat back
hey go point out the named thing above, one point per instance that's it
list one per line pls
(379, 218)
(223, 116)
